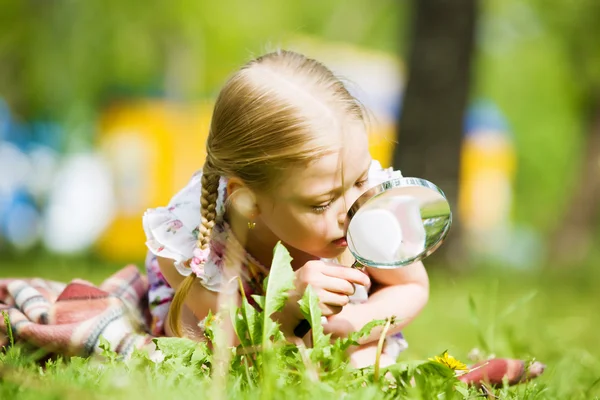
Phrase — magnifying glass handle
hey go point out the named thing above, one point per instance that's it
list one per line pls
(358, 265)
(302, 329)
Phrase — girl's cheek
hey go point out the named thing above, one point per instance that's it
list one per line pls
(317, 225)
(328, 223)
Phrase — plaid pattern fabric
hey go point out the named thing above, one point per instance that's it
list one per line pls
(69, 319)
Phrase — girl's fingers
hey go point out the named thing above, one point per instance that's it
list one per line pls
(348, 274)
(336, 285)
(327, 310)
(333, 299)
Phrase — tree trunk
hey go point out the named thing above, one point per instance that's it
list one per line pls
(431, 122)
(573, 239)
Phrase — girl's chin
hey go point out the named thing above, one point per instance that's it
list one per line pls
(331, 252)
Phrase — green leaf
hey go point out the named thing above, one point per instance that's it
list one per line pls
(462, 389)
(107, 353)
(277, 285)
(271, 332)
(279, 281)
(174, 347)
(405, 366)
(476, 322)
(9, 331)
(309, 306)
(253, 322)
(517, 305)
(259, 300)
(240, 325)
(103, 344)
(201, 354)
(342, 344)
(473, 311)
(366, 330)
(140, 360)
(434, 368)
(246, 321)
(208, 325)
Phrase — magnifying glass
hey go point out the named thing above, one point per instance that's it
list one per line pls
(394, 224)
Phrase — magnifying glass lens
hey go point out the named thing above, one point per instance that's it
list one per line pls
(397, 223)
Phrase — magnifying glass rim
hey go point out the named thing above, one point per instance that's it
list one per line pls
(381, 188)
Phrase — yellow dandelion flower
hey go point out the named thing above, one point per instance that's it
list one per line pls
(450, 362)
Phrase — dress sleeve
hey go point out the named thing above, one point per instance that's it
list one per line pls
(378, 174)
(172, 232)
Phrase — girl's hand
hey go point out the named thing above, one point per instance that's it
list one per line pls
(332, 283)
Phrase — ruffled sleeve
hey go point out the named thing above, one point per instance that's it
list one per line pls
(171, 231)
(378, 174)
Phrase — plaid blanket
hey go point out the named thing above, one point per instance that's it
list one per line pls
(69, 319)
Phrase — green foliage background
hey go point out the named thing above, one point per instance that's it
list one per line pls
(538, 61)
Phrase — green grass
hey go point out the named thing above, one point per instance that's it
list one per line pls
(551, 316)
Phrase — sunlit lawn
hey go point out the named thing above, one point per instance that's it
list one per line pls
(551, 315)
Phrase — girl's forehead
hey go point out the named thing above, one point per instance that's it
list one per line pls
(344, 164)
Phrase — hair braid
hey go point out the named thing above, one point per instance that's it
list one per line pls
(208, 202)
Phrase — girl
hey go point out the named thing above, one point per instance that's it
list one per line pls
(286, 156)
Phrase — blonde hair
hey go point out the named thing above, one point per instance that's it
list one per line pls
(266, 119)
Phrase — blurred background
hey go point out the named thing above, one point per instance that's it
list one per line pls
(105, 106)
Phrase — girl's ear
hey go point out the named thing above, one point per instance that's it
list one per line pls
(242, 198)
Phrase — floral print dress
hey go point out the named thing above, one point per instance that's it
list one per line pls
(172, 232)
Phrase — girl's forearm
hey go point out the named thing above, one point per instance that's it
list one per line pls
(402, 301)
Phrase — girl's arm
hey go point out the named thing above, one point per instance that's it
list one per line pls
(198, 303)
(401, 292)
(199, 300)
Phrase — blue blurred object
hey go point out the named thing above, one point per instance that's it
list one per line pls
(19, 219)
(48, 134)
(29, 159)
(44, 163)
(5, 120)
(19, 134)
(485, 115)
(15, 167)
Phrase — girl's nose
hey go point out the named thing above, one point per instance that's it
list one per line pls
(342, 217)
(349, 199)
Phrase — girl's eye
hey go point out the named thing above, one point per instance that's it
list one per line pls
(360, 184)
(322, 208)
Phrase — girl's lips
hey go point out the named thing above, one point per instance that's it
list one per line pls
(341, 242)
